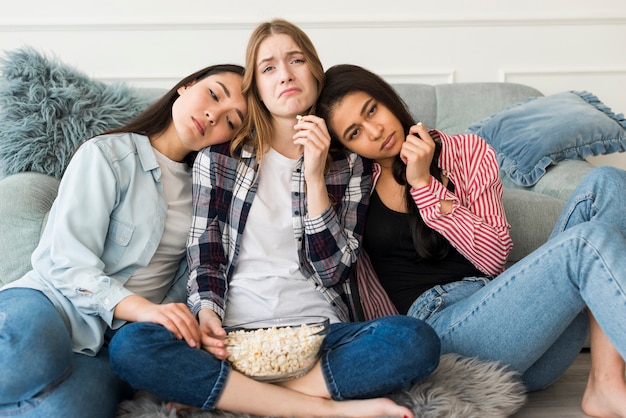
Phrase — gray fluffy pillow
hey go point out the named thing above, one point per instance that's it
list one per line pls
(47, 108)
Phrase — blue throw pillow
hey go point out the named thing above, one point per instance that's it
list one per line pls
(47, 108)
(533, 134)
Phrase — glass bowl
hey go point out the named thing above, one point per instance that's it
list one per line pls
(275, 350)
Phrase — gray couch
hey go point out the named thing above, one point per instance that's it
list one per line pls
(25, 198)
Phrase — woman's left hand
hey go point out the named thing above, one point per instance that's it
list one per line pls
(175, 317)
(312, 134)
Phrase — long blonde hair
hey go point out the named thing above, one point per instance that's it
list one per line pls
(256, 129)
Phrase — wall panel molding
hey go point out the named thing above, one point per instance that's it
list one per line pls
(151, 81)
(431, 77)
(508, 75)
(97, 25)
(166, 80)
(603, 82)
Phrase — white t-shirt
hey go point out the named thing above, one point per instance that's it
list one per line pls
(154, 280)
(267, 282)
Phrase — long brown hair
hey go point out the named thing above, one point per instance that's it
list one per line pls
(344, 79)
(157, 117)
(257, 127)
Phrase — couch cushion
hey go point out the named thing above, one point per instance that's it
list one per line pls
(421, 100)
(47, 108)
(461, 104)
(559, 181)
(25, 200)
(453, 107)
(533, 134)
(532, 217)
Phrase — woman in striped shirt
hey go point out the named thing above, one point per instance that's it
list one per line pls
(436, 240)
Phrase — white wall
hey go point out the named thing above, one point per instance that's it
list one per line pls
(553, 45)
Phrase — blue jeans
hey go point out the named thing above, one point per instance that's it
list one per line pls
(359, 360)
(532, 317)
(40, 375)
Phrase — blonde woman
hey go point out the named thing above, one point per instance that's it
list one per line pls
(276, 231)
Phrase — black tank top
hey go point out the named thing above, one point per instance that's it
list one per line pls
(403, 273)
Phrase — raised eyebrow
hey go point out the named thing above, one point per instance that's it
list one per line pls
(263, 61)
(348, 129)
(226, 91)
(366, 105)
(364, 108)
(295, 52)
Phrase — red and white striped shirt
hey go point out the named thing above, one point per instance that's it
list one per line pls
(476, 226)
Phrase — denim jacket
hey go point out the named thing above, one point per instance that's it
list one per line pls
(106, 222)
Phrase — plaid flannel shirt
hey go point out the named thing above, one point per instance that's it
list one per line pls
(328, 245)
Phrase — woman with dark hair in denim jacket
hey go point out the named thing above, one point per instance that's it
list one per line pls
(113, 251)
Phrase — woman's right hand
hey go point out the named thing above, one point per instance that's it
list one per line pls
(417, 153)
(213, 333)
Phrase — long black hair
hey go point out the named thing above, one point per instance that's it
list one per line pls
(157, 117)
(344, 79)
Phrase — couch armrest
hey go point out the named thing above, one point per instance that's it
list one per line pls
(25, 200)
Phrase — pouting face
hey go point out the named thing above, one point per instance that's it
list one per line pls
(367, 127)
(285, 82)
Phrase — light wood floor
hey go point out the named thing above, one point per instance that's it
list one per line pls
(561, 400)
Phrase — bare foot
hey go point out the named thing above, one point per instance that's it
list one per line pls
(605, 398)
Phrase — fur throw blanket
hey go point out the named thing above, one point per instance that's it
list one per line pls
(459, 388)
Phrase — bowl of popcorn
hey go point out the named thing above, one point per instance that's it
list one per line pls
(277, 349)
